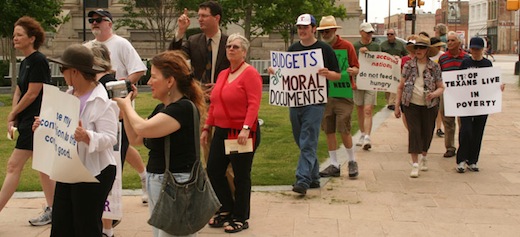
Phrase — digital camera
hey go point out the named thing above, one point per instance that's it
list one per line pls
(118, 89)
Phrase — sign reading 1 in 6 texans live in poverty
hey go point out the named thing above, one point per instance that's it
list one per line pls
(378, 71)
(471, 92)
(295, 82)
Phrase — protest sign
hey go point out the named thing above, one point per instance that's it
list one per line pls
(55, 152)
(378, 71)
(471, 92)
(113, 207)
(343, 87)
(296, 82)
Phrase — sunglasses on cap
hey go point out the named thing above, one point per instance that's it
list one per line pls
(420, 47)
(97, 20)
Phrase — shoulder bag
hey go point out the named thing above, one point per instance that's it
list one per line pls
(185, 208)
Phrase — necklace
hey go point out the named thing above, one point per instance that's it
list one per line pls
(239, 66)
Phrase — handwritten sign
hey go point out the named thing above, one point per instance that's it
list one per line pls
(296, 82)
(55, 152)
(343, 87)
(113, 207)
(378, 71)
(471, 92)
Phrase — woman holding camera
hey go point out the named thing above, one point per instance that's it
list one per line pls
(174, 85)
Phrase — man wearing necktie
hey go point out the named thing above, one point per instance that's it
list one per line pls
(207, 52)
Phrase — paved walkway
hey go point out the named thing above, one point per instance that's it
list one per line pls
(383, 201)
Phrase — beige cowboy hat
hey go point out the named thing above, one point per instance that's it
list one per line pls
(423, 41)
(328, 22)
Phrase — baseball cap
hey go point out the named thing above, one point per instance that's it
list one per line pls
(101, 12)
(366, 27)
(476, 43)
(305, 20)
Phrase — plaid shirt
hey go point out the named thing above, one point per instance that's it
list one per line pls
(432, 74)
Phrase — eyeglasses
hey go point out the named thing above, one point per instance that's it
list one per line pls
(325, 31)
(233, 46)
(420, 47)
(389, 33)
(97, 20)
(63, 68)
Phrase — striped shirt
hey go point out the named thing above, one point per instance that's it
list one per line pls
(449, 62)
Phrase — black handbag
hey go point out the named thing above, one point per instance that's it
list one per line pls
(185, 208)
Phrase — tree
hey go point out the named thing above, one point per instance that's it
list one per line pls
(44, 11)
(157, 16)
(261, 17)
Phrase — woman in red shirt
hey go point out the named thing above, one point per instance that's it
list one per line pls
(235, 101)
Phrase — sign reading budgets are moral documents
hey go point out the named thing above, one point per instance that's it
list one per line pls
(378, 71)
(55, 149)
(474, 91)
(295, 82)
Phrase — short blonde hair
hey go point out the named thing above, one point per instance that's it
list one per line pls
(101, 56)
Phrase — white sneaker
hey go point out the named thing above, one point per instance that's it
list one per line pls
(361, 140)
(144, 197)
(423, 164)
(44, 219)
(415, 170)
(461, 167)
(366, 143)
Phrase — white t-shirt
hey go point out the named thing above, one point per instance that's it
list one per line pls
(123, 56)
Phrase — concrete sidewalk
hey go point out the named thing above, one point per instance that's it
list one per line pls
(383, 201)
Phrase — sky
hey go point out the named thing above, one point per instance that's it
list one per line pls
(378, 9)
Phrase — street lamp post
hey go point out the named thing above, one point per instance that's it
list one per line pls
(84, 21)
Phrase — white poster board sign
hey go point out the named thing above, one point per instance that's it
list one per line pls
(378, 71)
(55, 149)
(295, 82)
(471, 92)
(113, 205)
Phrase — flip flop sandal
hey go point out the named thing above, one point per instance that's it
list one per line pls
(219, 220)
(237, 226)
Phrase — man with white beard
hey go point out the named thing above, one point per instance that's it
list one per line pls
(338, 110)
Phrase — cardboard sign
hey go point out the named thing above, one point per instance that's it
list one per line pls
(471, 92)
(55, 152)
(343, 87)
(378, 71)
(296, 82)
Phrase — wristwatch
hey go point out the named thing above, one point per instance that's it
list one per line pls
(246, 127)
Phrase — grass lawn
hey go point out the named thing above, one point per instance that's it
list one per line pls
(274, 163)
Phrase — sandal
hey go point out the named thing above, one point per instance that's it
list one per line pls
(219, 220)
(237, 226)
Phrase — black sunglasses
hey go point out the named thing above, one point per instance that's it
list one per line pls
(63, 68)
(325, 31)
(97, 20)
(235, 47)
(389, 33)
(420, 47)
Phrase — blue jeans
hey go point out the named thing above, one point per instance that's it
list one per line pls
(154, 185)
(306, 123)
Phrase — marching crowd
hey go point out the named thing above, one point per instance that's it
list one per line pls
(221, 88)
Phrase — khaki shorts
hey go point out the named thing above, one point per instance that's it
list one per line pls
(337, 115)
(362, 97)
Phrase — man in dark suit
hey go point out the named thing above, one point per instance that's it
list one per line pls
(197, 46)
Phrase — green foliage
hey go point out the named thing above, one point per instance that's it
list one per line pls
(44, 11)
(157, 16)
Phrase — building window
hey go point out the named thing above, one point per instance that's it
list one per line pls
(96, 3)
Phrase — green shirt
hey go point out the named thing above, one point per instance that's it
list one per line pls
(396, 48)
(372, 46)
